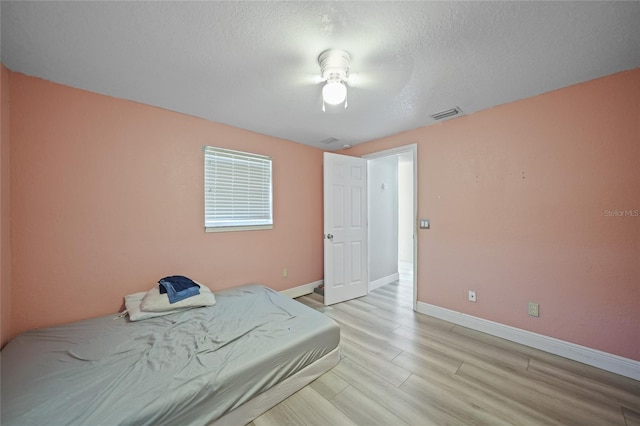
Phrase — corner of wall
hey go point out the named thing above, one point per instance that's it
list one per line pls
(5, 229)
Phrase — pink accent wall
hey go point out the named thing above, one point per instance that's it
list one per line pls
(522, 200)
(5, 240)
(107, 197)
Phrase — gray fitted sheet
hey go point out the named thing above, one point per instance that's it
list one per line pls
(185, 368)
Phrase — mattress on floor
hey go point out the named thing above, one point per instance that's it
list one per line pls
(186, 368)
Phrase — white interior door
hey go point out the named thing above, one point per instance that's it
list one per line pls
(345, 228)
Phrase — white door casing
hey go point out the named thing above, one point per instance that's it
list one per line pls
(345, 228)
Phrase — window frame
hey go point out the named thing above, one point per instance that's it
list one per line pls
(242, 160)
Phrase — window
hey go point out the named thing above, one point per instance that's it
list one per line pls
(237, 190)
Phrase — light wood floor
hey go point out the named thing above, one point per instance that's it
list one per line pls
(399, 367)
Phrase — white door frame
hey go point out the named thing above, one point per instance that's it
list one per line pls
(413, 148)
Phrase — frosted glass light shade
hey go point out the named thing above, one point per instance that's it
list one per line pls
(334, 92)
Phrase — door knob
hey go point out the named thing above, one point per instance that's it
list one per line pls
(330, 236)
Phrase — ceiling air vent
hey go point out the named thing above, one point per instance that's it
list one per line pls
(446, 114)
(328, 141)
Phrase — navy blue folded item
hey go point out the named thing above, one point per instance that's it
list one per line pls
(178, 288)
(176, 296)
(178, 282)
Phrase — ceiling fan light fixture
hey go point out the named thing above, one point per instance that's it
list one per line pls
(334, 92)
(334, 67)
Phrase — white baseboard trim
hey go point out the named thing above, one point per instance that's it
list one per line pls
(606, 361)
(302, 290)
(383, 281)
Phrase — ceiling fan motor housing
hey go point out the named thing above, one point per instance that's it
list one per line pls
(334, 64)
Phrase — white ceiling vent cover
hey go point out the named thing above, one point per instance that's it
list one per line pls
(446, 114)
(328, 141)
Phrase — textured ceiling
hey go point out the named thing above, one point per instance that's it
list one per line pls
(254, 65)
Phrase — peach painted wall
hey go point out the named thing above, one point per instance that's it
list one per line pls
(5, 241)
(107, 197)
(522, 201)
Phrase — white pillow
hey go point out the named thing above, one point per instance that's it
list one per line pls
(133, 301)
(154, 301)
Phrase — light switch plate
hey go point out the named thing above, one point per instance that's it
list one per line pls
(425, 224)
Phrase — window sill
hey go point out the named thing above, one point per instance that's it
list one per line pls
(238, 228)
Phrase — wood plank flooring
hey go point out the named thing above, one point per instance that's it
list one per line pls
(399, 367)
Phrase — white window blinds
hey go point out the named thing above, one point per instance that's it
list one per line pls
(237, 190)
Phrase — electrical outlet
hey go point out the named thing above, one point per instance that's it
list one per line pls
(472, 296)
(285, 273)
(534, 309)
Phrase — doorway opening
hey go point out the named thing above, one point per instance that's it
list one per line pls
(392, 206)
